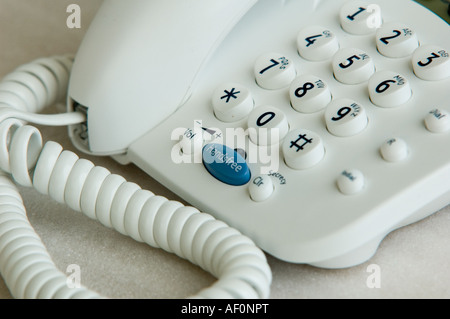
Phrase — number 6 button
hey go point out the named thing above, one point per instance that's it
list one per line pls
(389, 89)
(345, 117)
(431, 63)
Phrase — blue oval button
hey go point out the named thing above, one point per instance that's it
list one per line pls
(225, 164)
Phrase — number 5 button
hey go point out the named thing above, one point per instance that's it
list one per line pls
(389, 89)
(431, 63)
(352, 66)
(345, 117)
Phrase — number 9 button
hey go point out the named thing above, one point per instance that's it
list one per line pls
(345, 117)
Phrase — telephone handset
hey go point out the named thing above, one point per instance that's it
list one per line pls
(303, 125)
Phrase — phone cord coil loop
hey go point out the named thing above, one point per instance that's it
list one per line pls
(25, 264)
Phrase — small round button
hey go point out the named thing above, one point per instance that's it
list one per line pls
(261, 188)
(352, 66)
(302, 149)
(309, 94)
(438, 121)
(232, 102)
(317, 43)
(394, 150)
(344, 117)
(350, 182)
(274, 71)
(267, 125)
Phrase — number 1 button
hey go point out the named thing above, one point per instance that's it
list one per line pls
(274, 71)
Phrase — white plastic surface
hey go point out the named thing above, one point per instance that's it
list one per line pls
(307, 219)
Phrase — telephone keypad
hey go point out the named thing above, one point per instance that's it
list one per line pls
(307, 93)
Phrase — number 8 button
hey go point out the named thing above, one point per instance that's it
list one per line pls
(345, 117)
(309, 94)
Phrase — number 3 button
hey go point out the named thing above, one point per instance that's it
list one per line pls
(345, 117)
(431, 63)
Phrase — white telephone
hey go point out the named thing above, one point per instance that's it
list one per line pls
(302, 124)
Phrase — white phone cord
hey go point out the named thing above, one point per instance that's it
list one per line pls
(25, 264)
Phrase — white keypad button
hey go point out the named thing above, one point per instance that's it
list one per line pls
(389, 89)
(345, 117)
(274, 71)
(352, 66)
(191, 142)
(394, 150)
(317, 43)
(261, 188)
(350, 182)
(360, 17)
(395, 40)
(232, 102)
(431, 63)
(302, 149)
(438, 121)
(309, 94)
(267, 125)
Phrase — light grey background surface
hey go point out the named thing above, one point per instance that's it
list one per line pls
(414, 261)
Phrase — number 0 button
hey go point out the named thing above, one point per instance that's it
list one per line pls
(274, 71)
(267, 125)
(345, 117)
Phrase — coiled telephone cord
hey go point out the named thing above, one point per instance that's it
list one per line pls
(26, 265)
